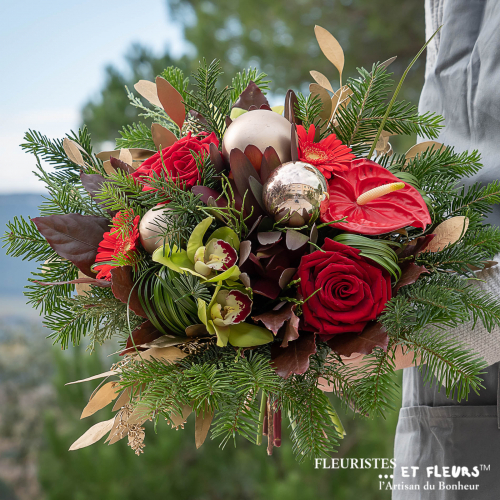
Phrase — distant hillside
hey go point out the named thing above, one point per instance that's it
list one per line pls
(14, 271)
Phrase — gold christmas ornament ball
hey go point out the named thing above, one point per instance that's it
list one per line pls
(151, 226)
(294, 192)
(262, 128)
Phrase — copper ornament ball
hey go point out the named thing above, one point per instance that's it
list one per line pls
(294, 192)
(262, 128)
(151, 225)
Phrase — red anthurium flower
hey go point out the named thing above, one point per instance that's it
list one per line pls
(328, 155)
(121, 240)
(393, 206)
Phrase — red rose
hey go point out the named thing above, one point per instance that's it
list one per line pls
(178, 160)
(352, 290)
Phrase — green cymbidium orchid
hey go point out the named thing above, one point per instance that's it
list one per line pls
(213, 262)
(224, 317)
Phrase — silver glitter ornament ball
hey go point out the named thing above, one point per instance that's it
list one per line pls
(294, 192)
(262, 128)
(151, 226)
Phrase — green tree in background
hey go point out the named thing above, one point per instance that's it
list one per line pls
(275, 36)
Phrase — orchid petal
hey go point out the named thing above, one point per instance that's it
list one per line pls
(202, 269)
(202, 311)
(177, 261)
(247, 335)
(196, 239)
(228, 235)
(232, 307)
(220, 255)
(231, 273)
(222, 332)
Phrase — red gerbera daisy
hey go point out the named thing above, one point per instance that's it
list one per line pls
(120, 241)
(327, 155)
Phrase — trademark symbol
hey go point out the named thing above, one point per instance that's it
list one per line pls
(484, 467)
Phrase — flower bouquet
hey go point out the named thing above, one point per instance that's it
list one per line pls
(240, 252)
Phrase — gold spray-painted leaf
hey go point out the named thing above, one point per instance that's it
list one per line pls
(168, 354)
(388, 62)
(126, 156)
(108, 168)
(139, 155)
(123, 399)
(420, 148)
(331, 48)
(180, 419)
(93, 435)
(107, 393)
(448, 232)
(73, 151)
(94, 377)
(162, 137)
(148, 90)
(322, 80)
(202, 426)
(171, 101)
(326, 108)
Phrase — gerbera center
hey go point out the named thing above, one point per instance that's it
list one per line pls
(314, 154)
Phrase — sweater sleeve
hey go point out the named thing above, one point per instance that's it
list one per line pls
(482, 342)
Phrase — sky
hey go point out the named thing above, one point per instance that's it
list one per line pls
(53, 56)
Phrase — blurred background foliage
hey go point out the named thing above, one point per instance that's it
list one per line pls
(278, 38)
(39, 416)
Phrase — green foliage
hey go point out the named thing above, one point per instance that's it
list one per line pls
(51, 298)
(171, 299)
(359, 121)
(229, 384)
(308, 109)
(241, 80)
(123, 193)
(417, 318)
(52, 152)
(151, 112)
(23, 239)
(175, 76)
(379, 251)
(135, 136)
(114, 472)
(211, 103)
(97, 316)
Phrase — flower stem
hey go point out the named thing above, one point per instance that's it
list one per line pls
(398, 88)
(270, 427)
(262, 412)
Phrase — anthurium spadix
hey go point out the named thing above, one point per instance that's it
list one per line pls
(213, 262)
(225, 316)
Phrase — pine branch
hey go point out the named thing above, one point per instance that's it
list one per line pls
(51, 298)
(97, 315)
(307, 109)
(455, 367)
(137, 135)
(52, 152)
(313, 432)
(23, 239)
(211, 103)
(243, 78)
(358, 122)
(376, 387)
(175, 76)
